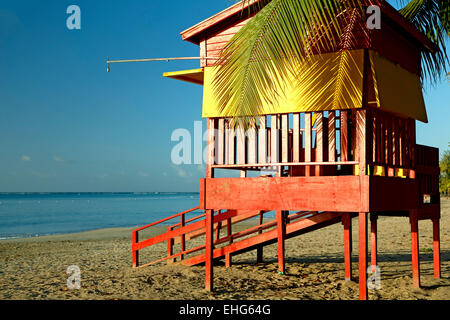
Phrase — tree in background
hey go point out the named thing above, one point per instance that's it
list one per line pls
(444, 179)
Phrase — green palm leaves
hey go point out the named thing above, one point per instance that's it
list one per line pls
(285, 34)
(432, 18)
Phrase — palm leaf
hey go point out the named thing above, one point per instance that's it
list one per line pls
(263, 54)
(432, 18)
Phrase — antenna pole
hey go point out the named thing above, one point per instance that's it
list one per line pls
(154, 59)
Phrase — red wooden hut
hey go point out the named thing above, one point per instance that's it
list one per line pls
(331, 163)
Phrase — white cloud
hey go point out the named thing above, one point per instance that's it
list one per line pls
(142, 174)
(180, 172)
(26, 158)
(59, 159)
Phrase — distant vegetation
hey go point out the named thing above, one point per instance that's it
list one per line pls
(444, 179)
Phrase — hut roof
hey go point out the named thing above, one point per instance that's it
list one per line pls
(195, 33)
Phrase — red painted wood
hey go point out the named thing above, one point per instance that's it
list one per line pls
(135, 253)
(262, 140)
(281, 235)
(363, 294)
(344, 136)
(415, 247)
(209, 248)
(329, 193)
(182, 237)
(319, 143)
(229, 233)
(296, 228)
(331, 136)
(308, 142)
(347, 222)
(436, 249)
(259, 250)
(373, 241)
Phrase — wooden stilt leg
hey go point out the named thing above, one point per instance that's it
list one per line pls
(373, 241)
(436, 249)
(281, 227)
(363, 256)
(415, 247)
(209, 250)
(259, 250)
(347, 221)
(228, 255)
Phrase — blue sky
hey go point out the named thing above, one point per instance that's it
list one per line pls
(68, 125)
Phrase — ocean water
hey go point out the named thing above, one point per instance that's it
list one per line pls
(36, 214)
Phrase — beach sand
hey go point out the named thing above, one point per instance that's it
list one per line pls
(36, 268)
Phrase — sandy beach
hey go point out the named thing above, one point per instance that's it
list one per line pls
(35, 268)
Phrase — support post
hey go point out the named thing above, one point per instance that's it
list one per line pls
(373, 241)
(209, 247)
(259, 250)
(362, 255)
(183, 236)
(170, 244)
(413, 219)
(281, 232)
(347, 222)
(135, 253)
(436, 249)
(229, 233)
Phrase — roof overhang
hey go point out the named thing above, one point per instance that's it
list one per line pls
(193, 34)
(193, 76)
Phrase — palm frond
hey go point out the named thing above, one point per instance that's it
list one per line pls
(263, 54)
(432, 18)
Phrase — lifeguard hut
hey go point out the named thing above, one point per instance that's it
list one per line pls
(357, 159)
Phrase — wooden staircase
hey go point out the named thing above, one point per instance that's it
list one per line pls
(231, 244)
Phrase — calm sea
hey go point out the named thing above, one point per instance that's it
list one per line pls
(36, 214)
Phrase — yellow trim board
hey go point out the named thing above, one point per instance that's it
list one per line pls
(193, 76)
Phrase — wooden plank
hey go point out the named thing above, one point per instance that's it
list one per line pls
(252, 145)
(210, 147)
(436, 249)
(281, 235)
(241, 152)
(373, 241)
(363, 256)
(347, 222)
(221, 141)
(308, 142)
(415, 247)
(331, 136)
(231, 145)
(275, 144)
(262, 140)
(284, 138)
(344, 136)
(319, 142)
(135, 253)
(326, 193)
(229, 233)
(296, 143)
(361, 133)
(259, 250)
(203, 53)
(209, 248)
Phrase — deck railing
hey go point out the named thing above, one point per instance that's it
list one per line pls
(316, 143)
(308, 140)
